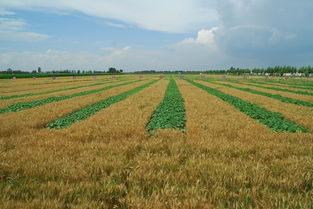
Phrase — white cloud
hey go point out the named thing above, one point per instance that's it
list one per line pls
(239, 33)
(116, 25)
(13, 29)
(161, 15)
(205, 37)
(4, 12)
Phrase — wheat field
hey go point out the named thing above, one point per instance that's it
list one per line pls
(84, 143)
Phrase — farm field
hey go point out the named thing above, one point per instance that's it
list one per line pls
(144, 141)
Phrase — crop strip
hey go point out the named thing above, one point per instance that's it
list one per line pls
(26, 105)
(49, 92)
(90, 110)
(276, 88)
(275, 121)
(273, 96)
(280, 85)
(294, 83)
(170, 113)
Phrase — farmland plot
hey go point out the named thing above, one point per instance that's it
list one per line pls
(155, 143)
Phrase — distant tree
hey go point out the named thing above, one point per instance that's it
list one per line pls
(34, 71)
(9, 70)
(121, 70)
(78, 71)
(39, 70)
(112, 70)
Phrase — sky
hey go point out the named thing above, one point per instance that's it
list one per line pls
(138, 35)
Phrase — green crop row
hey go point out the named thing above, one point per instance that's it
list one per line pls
(49, 92)
(275, 121)
(277, 89)
(26, 105)
(301, 82)
(277, 85)
(90, 110)
(273, 96)
(170, 113)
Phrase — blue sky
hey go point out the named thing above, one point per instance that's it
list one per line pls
(159, 35)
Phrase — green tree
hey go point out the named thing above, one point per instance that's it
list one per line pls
(112, 70)
(9, 70)
(39, 70)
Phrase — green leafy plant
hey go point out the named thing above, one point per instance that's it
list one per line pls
(170, 113)
(280, 89)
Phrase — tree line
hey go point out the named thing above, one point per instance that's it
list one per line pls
(274, 71)
(39, 71)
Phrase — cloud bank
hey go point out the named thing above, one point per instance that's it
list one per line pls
(243, 33)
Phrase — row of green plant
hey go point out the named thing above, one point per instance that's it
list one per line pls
(90, 110)
(26, 105)
(275, 88)
(277, 84)
(293, 83)
(273, 96)
(49, 92)
(273, 120)
(170, 113)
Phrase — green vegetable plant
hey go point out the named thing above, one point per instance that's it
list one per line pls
(170, 113)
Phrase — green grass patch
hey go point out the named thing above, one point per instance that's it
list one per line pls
(90, 110)
(273, 96)
(26, 105)
(171, 111)
(273, 120)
